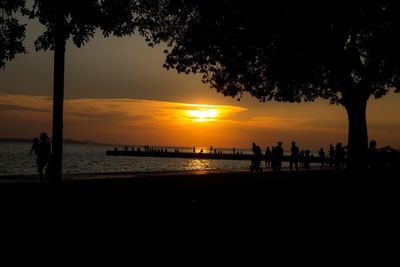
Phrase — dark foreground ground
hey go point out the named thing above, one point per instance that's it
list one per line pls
(306, 211)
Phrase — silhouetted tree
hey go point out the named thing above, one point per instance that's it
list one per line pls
(76, 19)
(12, 33)
(63, 19)
(344, 51)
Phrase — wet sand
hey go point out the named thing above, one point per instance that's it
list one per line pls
(213, 208)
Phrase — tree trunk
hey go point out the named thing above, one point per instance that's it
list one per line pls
(58, 95)
(358, 134)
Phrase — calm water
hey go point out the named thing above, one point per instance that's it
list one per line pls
(14, 160)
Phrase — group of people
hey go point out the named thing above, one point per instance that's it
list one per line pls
(41, 147)
(273, 157)
(336, 157)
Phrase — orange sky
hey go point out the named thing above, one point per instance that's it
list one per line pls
(117, 92)
(140, 122)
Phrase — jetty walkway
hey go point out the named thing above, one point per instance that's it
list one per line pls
(186, 155)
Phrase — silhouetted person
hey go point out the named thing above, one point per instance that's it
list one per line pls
(44, 152)
(278, 157)
(307, 159)
(35, 146)
(331, 155)
(373, 155)
(273, 157)
(257, 158)
(234, 150)
(211, 149)
(194, 149)
(301, 158)
(294, 156)
(340, 156)
(201, 151)
(268, 157)
(321, 154)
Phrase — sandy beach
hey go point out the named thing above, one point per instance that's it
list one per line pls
(215, 208)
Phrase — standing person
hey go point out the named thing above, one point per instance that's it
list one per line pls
(256, 161)
(43, 155)
(268, 157)
(321, 154)
(278, 157)
(331, 155)
(340, 156)
(294, 156)
(273, 158)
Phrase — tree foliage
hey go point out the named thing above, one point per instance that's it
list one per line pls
(283, 50)
(344, 51)
(12, 33)
(82, 18)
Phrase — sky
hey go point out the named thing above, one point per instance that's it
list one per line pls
(117, 92)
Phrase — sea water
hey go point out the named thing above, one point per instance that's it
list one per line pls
(83, 158)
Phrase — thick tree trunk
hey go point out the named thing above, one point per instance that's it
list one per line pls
(358, 135)
(58, 96)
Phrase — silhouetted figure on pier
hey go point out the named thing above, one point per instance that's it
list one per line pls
(278, 157)
(211, 149)
(234, 150)
(201, 151)
(294, 156)
(194, 149)
(340, 156)
(321, 154)
(268, 157)
(43, 154)
(257, 158)
(373, 160)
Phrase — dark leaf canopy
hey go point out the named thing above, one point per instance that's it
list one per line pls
(12, 33)
(82, 18)
(282, 50)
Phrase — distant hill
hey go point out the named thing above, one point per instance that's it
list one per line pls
(15, 140)
(66, 141)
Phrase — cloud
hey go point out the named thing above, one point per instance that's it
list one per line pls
(7, 107)
(23, 102)
(275, 122)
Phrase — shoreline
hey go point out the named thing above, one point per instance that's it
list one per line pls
(34, 178)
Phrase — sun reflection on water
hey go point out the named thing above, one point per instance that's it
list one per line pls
(198, 164)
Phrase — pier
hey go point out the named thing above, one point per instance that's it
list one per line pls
(189, 155)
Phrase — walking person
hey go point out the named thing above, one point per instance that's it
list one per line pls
(43, 154)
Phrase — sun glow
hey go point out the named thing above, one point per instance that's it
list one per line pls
(202, 115)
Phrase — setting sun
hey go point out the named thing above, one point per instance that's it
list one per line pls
(203, 115)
